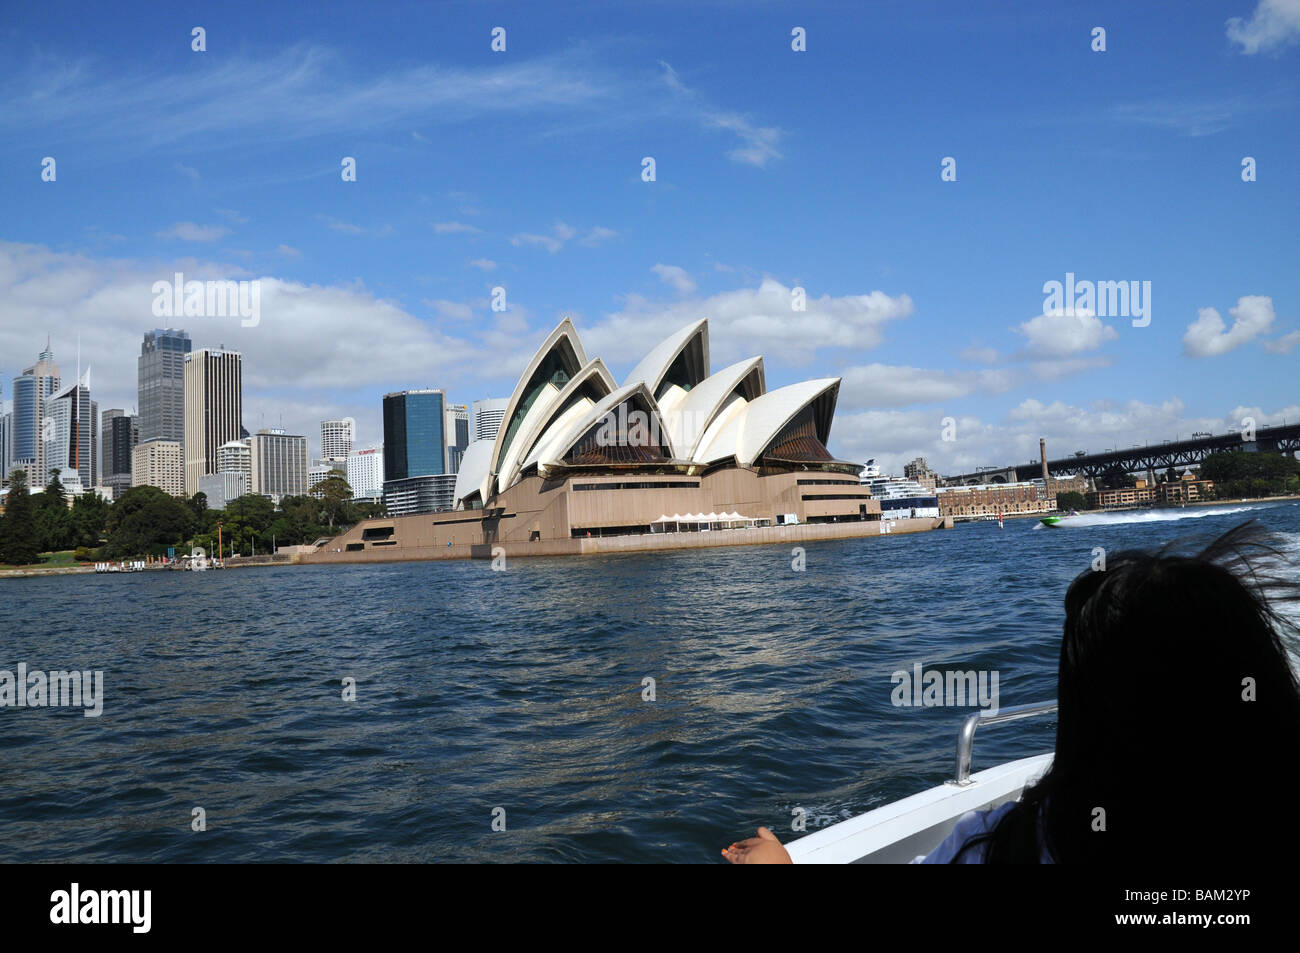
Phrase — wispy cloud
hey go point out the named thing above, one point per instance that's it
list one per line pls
(191, 232)
(297, 93)
(758, 144)
(348, 228)
(1190, 117)
(455, 228)
(560, 234)
(676, 277)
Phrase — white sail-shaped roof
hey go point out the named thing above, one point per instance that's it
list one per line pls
(474, 473)
(689, 420)
(749, 432)
(561, 354)
(559, 446)
(569, 404)
(693, 341)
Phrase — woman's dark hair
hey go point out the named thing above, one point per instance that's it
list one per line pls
(1179, 719)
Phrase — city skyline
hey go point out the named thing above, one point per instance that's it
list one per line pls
(523, 170)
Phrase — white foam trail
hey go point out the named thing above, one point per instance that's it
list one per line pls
(1150, 516)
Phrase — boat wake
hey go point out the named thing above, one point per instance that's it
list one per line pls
(1147, 516)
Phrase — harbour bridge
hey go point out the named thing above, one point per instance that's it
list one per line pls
(1141, 458)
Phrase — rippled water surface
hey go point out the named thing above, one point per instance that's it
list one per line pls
(522, 690)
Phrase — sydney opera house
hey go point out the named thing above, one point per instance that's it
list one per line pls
(674, 456)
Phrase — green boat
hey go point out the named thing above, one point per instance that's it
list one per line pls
(1056, 520)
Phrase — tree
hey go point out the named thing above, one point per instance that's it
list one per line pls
(89, 516)
(336, 497)
(1117, 478)
(147, 520)
(18, 526)
(1070, 500)
(52, 519)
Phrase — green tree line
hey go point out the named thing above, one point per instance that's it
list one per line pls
(145, 521)
(1239, 473)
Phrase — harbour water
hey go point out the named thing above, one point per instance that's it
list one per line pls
(523, 691)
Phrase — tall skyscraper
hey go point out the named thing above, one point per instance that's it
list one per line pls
(70, 432)
(486, 417)
(120, 433)
(279, 463)
(336, 438)
(457, 431)
(6, 437)
(214, 408)
(414, 434)
(32, 389)
(161, 383)
(415, 453)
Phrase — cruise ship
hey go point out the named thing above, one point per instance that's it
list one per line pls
(899, 498)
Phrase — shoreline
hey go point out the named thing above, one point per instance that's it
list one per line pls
(577, 547)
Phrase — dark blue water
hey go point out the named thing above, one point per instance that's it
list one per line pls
(522, 690)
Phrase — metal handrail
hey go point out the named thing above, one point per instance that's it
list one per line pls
(966, 737)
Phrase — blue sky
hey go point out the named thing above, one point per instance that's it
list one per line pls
(774, 169)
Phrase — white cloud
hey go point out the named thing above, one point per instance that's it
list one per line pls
(190, 232)
(598, 235)
(882, 385)
(758, 144)
(1063, 334)
(454, 228)
(288, 251)
(1283, 345)
(456, 310)
(348, 228)
(750, 321)
(302, 354)
(189, 172)
(1273, 25)
(560, 234)
(978, 354)
(296, 93)
(483, 264)
(1207, 337)
(676, 277)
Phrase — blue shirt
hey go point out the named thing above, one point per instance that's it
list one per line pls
(971, 824)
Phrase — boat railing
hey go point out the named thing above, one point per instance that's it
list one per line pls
(966, 737)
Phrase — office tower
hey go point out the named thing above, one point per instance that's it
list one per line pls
(161, 383)
(236, 456)
(31, 390)
(159, 463)
(120, 433)
(6, 438)
(213, 409)
(336, 438)
(414, 442)
(366, 474)
(415, 453)
(234, 476)
(456, 428)
(70, 432)
(279, 463)
(486, 417)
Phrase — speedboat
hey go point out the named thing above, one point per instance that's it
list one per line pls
(900, 832)
(1055, 520)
